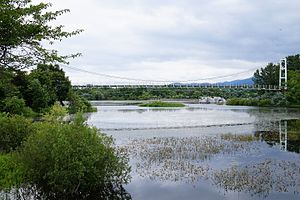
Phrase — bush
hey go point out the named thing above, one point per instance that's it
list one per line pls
(79, 104)
(249, 102)
(11, 174)
(13, 131)
(265, 102)
(72, 161)
(279, 100)
(15, 105)
(233, 101)
(56, 113)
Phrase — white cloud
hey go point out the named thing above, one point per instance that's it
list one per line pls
(176, 39)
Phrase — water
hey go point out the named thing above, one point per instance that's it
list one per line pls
(206, 151)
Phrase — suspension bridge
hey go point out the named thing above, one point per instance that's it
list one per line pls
(244, 86)
(126, 82)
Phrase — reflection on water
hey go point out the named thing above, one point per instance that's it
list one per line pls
(107, 192)
(136, 118)
(286, 136)
(208, 150)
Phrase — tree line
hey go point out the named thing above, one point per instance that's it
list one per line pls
(34, 92)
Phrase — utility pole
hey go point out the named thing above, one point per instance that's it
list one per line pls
(283, 74)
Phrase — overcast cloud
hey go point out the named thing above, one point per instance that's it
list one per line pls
(177, 39)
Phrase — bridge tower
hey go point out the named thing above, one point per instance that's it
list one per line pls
(283, 74)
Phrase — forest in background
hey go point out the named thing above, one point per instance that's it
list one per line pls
(268, 75)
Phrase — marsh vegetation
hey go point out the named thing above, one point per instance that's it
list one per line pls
(162, 104)
(187, 160)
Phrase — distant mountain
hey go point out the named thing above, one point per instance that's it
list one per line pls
(247, 81)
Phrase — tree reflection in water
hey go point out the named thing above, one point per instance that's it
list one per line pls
(287, 138)
(110, 192)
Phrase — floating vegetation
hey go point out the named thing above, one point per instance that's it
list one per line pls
(239, 138)
(188, 159)
(188, 148)
(260, 178)
(175, 171)
(179, 159)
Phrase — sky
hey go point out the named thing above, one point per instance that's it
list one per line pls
(176, 40)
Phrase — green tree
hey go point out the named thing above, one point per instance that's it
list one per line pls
(37, 96)
(54, 80)
(78, 103)
(293, 62)
(293, 92)
(24, 28)
(268, 75)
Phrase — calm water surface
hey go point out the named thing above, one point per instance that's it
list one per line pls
(206, 151)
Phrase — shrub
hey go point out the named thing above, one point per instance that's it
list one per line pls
(279, 100)
(13, 131)
(11, 174)
(265, 102)
(15, 105)
(72, 161)
(233, 101)
(249, 102)
(243, 102)
(253, 102)
(56, 113)
(79, 104)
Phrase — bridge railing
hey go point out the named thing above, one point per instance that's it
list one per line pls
(229, 86)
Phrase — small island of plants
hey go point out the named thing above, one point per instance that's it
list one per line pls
(162, 104)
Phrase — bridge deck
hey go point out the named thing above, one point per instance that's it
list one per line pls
(253, 87)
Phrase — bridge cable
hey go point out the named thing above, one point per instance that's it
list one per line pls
(155, 81)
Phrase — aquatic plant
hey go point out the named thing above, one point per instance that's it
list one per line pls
(179, 159)
(187, 160)
(260, 178)
(239, 138)
(162, 104)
